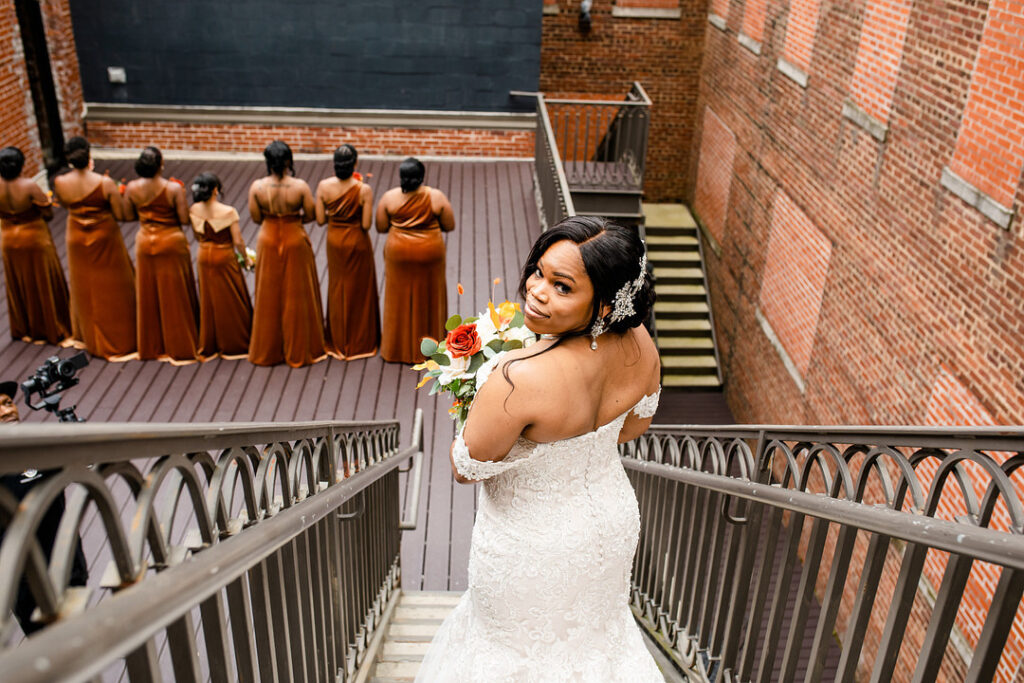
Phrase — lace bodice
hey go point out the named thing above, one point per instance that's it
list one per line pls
(549, 571)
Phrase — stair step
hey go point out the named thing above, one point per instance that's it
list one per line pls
(397, 671)
(670, 215)
(678, 274)
(667, 291)
(657, 243)
(668, 258)
(690, 381)
(676, 230)
(689, 362)
(413, 632)
(430, 598)
(680, 308)
(685, 324)
(394, 650)
(670, 343)
(420, 613)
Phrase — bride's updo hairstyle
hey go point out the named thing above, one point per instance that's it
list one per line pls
(611, 256)
(278, 156)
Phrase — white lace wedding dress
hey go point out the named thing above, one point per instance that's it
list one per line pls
(549, 568)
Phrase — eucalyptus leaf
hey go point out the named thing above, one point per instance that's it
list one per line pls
(441, 359)
(494, 345)
(453, 322)
(517, 319)
(428, 347)
(470, 319)
(434, 389)
(489, 353)
(475, 363)
(512, 344)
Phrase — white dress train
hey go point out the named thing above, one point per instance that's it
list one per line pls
(549, 568)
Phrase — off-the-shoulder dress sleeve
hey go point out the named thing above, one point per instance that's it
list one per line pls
(648, 405)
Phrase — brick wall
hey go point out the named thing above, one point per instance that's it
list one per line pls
(253, 138)
(17, 116)
(922, 304)
(663, 54)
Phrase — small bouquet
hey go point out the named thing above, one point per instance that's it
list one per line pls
(454, 362)
(247, 262)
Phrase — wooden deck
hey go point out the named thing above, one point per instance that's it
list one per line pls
(496, 221)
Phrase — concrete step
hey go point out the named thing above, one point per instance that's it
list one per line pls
(689, 363)
(685, 381)
(668, 215)
(674, 275)
(667, 291)
(683, 325)
(673, 344)
(658, 242)
(674, 257)
(679, 309)
(416, 618)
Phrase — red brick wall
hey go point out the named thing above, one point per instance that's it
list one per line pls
(922, 308)
(714, 175)
(663, 54)
(253, 138)
(64, 63)
(17, 116)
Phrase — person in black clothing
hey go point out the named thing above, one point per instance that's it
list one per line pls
(19, 485)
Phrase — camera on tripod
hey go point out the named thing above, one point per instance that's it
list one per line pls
(53, 377)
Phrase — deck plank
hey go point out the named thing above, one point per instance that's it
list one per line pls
(496, 219)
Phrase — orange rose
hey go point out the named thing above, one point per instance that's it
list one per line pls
(463, 341)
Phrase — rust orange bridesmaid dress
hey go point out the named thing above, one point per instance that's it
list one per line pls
(353, 314)
(287, 318)
(37, 293)
(168, 306)
(225, 310)
(101, 279)
(415, 294)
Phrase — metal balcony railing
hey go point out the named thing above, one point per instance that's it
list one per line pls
(555, 198)
(232, 551)
(775, 553)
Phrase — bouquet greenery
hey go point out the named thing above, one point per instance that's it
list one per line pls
(453, 363)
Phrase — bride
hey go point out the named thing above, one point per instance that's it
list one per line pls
(558, 522)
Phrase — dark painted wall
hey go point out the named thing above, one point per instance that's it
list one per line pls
(363, 54)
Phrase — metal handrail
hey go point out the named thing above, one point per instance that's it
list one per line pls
(264, 504)
(734, 515)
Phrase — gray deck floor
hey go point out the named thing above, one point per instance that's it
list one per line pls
(497, 220)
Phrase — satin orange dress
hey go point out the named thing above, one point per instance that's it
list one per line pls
(37, 293)
(353, 313)
(287, 319)
(225, 310)
(415, 293)
(168, 306)
(101, 279)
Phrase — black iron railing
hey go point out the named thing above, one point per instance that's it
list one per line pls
(776, 553)
(555, 199)
(232, 552)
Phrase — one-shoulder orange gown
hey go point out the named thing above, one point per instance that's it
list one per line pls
(415, 293)
(353, 313)
(37, 293)
(168, 306)
(101, 279)
(287, 319)
(225, 310)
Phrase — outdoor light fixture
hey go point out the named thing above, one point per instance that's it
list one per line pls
(585, 15)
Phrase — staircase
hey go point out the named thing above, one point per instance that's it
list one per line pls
(416, 618)
(681, 313)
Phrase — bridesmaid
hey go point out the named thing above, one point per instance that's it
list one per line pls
(345, 203)
(225, 311)
(168, 306)
(37, 294)
(287, 321)
(102, 282)
(415, 300)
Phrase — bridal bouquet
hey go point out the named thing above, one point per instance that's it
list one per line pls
(453, 362)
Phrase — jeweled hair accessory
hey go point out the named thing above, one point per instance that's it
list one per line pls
(627, 292)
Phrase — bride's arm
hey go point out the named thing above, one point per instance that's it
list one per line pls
(500, 413)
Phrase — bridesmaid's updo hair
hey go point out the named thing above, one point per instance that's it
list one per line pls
(149, 162)
(204, 185)
(279, 158)
(611, 256)
(410, 174)
(345, 161)
(77, 151)
(11, 163)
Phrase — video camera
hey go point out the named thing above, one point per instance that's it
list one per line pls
(52, 378)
